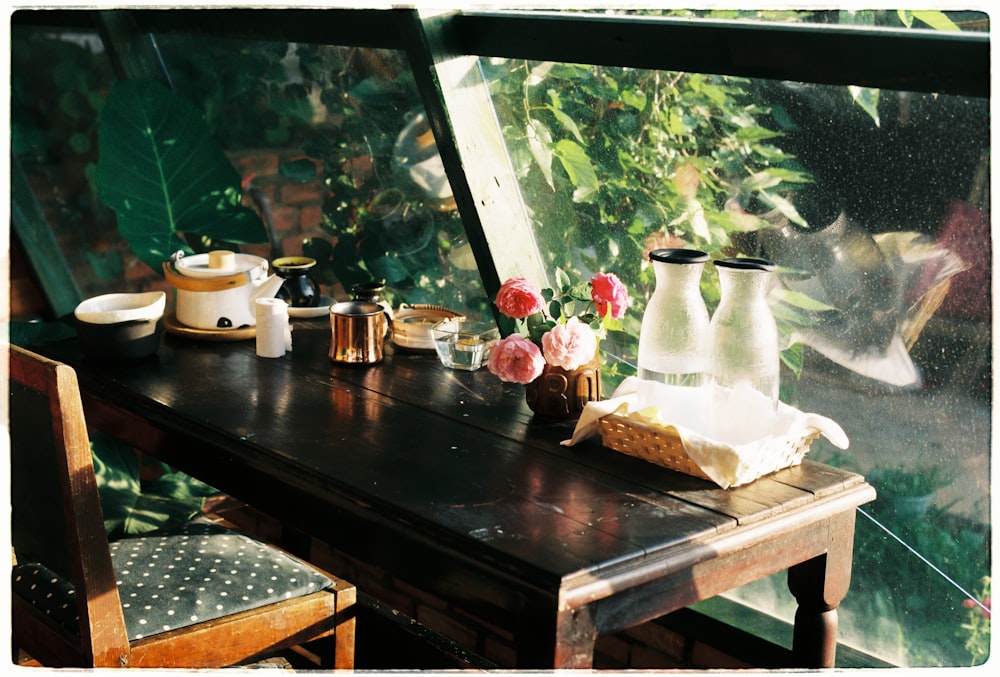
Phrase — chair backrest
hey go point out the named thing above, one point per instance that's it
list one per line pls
(56, 508)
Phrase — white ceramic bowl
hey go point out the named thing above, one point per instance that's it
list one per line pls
(112, 308)
(121, 326)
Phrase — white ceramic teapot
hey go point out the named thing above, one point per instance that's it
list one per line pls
(217, 290)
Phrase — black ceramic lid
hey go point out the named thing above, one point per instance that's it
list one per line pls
(746, 264)
(678, 256)
(373, 287)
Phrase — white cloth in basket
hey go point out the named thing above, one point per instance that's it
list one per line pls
(733, 435)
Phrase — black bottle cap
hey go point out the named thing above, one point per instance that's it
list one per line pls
(678, 256)
(747, 264)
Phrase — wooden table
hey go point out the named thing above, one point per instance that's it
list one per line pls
(444, 479)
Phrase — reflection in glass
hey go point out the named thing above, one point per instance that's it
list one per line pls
(59, 79)
(338, 157)
(332, 145)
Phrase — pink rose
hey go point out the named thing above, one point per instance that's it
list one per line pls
(973, 604)
(607, 290)
(569, 345)
(518, 298)
(515, 359)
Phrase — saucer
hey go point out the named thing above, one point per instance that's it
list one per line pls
(172, 326)
(323, 308)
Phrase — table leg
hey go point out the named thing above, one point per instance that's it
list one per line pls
(819, 584)
(576, 634)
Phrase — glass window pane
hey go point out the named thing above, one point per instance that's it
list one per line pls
(336, 153)
(331, 144)
(59, 78)
(878, 18)
(875, 206)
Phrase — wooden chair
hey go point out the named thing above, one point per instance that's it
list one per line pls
(197, 596)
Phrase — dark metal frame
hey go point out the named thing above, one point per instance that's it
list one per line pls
(914, 59)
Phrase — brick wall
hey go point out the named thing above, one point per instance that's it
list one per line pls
(296, 207)
(92, 246)
(650, 646)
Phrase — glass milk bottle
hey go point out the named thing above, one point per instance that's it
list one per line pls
(744, 335)
(673, 339)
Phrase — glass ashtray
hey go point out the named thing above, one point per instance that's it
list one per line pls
(463, 343)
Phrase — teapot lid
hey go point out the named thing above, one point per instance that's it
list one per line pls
(216, 263)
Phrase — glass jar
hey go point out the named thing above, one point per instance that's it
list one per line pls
(673, 338)
(674, 332)
(858, 281)
(298, 290)
(743, 333)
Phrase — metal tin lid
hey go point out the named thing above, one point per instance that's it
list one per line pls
(412, 325)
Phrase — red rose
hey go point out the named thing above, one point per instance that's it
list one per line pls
(607, 290)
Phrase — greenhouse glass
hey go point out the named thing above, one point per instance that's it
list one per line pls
(875, 206)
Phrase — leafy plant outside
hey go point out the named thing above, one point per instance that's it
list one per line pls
(621, 161)
(900, 481)
(162, 172)
(977, 630)
(900, 606)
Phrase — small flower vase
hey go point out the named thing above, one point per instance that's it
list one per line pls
(561, 395)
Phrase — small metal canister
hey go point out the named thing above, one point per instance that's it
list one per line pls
(357, 332)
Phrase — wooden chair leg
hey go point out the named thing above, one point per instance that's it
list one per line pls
(343, 656)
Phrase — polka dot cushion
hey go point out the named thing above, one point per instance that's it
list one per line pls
(49, 592)
(198, 572)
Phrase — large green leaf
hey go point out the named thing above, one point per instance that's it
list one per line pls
(132, 506)
(162, 172)
(578, 167)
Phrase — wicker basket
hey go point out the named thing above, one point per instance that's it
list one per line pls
(663, 447)
(656, 445)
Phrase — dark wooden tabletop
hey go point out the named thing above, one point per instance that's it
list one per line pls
(445, 469)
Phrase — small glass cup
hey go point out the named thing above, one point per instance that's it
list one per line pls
(463, 343)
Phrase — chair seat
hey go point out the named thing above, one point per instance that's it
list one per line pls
(48, 592)
(179, 576)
